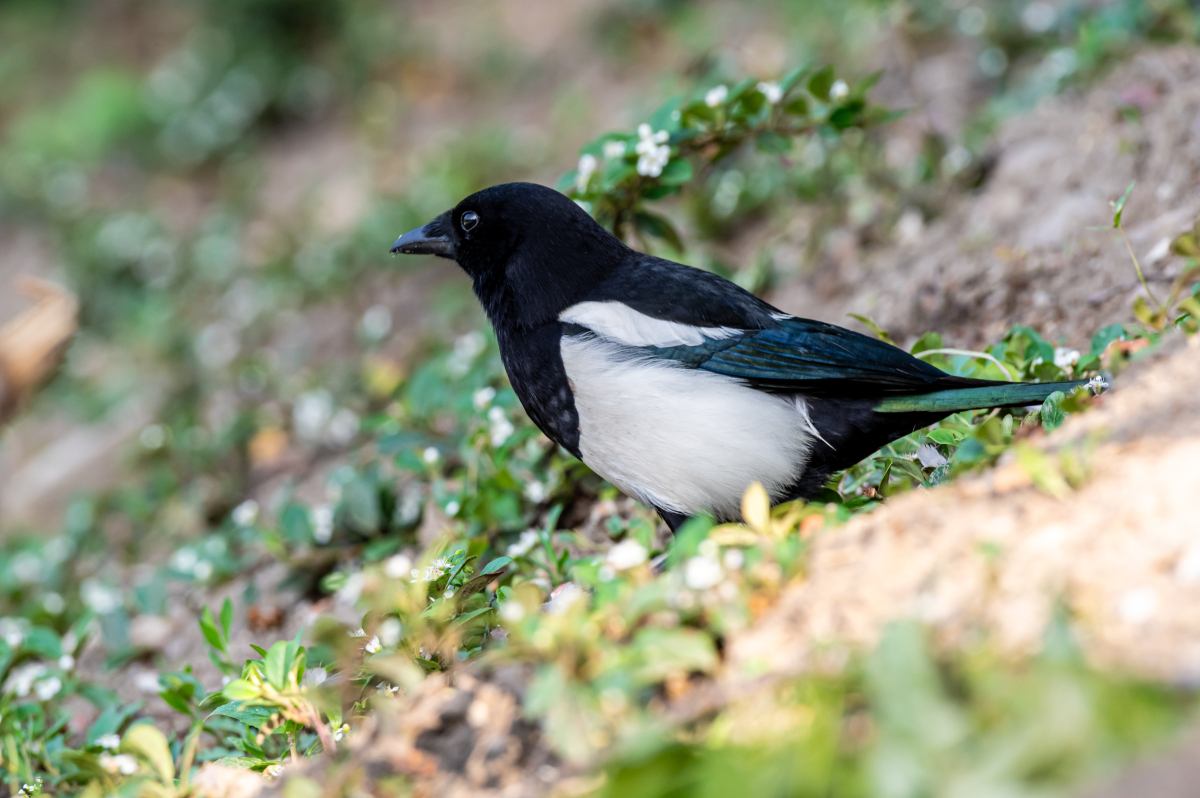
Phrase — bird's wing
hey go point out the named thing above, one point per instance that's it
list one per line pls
(814, 358)
(668, 310)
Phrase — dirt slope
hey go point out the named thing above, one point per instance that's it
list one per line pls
(1021, 251)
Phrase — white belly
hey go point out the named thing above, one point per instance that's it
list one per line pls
(681, 439)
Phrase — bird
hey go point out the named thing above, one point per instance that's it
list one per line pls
(676, 385)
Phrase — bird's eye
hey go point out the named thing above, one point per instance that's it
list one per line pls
(469, 220)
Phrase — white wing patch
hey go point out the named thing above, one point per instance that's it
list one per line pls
(682, 439)
(619, 322)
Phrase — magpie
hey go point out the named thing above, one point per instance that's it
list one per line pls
(674, 384)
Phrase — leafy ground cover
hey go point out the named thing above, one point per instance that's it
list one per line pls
(427, 527)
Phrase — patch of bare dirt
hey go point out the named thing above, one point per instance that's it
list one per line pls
(989, 557)
(1022, 250)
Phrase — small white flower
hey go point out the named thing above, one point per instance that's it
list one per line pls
(203, 570)
(11, 633)
(48, 688)
(272, 771)
(1064, 357)
(626, 554)
(483, 397)
(587, 168)
(53, 603)
(500, 429)
(66, 662)
(100, 598)
(512, 611)
(246, 513)
(373, 646)
(359, 632)
(930, 457)
(147, 682)
(314, 677)
(1095, 385)
(653, 151)
(535, 491)
(527, 541)
(311, 413)
(452, 508)
(431, 455)
(389, 632)
(734, 559)
(716, 96)
(702, 573)
(124, 764)
(343, 426)
(433, 570)
(110, 741)
(340, 732)
(322, 516)
(614, 149)
(397, 566)
(20, 680)
(771, 90)
(352, 588)
(838, 90)
(449, 594)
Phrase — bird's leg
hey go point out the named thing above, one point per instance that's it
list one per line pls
(674, 520)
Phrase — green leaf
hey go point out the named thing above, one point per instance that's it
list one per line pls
(666, 651)
(275, 665)
(43, 642)
(240, 690)
(880, 333)
(820, 83)
(1119, 205)
(492, 571)
(462, 619)
(772, 143)
(111, 720)
(149, 743)
(797, 106)
(792, 78)
(176, 702)
(1102, 339)
(908, 468)
(676, 173)
(1052, 412)
(945, 437)
(254, 715)
(848, 115)
(496, 566)
(654, 225)
(208, 628)
(361, 500)
(227, 617)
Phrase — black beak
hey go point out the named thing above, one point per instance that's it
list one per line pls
(426, 240)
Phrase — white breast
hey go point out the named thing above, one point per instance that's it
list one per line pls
(681, 439)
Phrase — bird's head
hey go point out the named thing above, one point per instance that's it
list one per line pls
(530, 251)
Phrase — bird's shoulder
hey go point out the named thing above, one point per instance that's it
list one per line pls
(656, 303)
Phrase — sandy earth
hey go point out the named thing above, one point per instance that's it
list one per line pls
(1022, 251)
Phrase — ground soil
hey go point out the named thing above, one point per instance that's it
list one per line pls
(1023, 249)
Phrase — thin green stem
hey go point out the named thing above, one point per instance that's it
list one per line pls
(967, 353)
(1138, 266)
